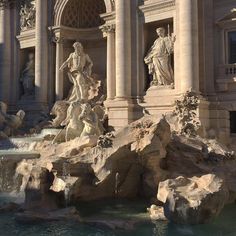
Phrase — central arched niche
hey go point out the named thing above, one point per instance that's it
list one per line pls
(83, 18)
(83, 13)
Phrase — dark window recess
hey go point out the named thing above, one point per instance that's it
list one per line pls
(232, 121)
(232, 47)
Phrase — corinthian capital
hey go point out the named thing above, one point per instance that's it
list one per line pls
(108, 28)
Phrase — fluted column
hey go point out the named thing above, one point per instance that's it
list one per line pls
(123, 49)
(188, 44)
(109, 32)
(5, 53)
(59, 74)
(41, 53)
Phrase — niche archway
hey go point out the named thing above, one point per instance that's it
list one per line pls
(79, 20)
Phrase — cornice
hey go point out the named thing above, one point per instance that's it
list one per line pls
(154, 6)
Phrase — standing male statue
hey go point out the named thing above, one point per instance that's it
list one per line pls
(80, 69)
(158, 59)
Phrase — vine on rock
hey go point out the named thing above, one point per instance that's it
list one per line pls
(186, 112)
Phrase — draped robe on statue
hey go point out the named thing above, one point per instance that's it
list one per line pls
(158, 61)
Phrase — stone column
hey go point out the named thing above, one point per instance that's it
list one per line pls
(123, 49)
(41, 54)
(59, 74)
(188, 44)
(109, 31)
(5, 53)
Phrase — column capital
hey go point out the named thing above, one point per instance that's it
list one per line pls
(58, 39)
(108, 28)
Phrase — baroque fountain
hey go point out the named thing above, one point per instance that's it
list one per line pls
(77, 170)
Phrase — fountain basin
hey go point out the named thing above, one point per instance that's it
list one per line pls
(17, 155)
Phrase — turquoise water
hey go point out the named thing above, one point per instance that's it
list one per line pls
(224, 225)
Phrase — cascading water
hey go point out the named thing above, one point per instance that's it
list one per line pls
(65, 177)
(7, 172)
(117, 182)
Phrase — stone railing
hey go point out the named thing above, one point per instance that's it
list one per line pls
(226, 76)
(230, 70)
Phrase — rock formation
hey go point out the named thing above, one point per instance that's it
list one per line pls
(192, 200)
(144, 159)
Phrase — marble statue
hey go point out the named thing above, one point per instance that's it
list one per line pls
(9, 124)
(59, 110)
(82, 121)
(158, 59)
(74, 125)
(27, 16)
(28, 77)
(80, 70)
(92, 124)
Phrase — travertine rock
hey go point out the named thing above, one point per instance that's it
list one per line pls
(134, 160)
(38, 193)
(192, 200)
(156, 212)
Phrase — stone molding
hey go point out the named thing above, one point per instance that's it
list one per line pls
(26, 39)
(156, 7)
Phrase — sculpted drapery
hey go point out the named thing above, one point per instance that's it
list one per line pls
(158, 59)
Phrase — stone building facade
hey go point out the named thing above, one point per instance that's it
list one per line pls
(36, 37)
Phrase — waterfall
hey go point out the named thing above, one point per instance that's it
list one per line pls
(65, 177)
(117, 182)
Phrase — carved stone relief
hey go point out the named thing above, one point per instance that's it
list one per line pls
(27, 15)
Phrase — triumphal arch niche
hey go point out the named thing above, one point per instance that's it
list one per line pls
(79, 21)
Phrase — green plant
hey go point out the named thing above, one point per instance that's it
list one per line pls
(185, 109)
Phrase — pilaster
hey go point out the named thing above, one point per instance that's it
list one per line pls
(188, 44)
(41, 54)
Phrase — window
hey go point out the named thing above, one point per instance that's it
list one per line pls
(232, 122)
(232, 47)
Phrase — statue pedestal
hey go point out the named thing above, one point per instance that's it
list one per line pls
(160, 96)
(122, 112)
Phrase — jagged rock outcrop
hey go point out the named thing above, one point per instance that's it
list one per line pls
(192, 200)
(38, 195)
(133, 161)
(129, 166)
